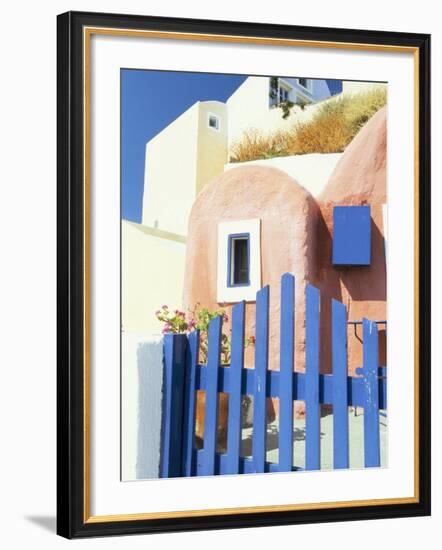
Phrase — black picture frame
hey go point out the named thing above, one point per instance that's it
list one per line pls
(72, 392)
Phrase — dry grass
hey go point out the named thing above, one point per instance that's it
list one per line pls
(256, 145)
(327, 133)
(330, 130)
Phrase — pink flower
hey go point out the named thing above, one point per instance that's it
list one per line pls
(192, 323)
(158, 312)
(225, 317)
(167, 328)
(165, 307)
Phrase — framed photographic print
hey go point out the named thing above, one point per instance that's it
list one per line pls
(243, 217)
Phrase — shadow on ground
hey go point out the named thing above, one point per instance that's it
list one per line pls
(48, 523)
(272, 440)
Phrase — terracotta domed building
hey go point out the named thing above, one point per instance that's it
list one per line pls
(252, 224)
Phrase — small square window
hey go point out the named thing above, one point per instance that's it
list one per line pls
(213, 122)
(304, 82)
(238, 267)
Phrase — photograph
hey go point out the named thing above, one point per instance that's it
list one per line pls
(242, 219)
(253, 274)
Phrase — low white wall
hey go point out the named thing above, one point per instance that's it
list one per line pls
(311, 171)
(141, 406)
(152, 274)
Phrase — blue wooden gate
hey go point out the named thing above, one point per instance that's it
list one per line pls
(184, 375)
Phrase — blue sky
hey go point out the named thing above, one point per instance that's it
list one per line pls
(150, 100)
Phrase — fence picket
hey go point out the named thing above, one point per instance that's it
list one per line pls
(312, 407)
(259, 396)
(287, 329)
(211, 408)
(190, 401)
(236, 366)
(371, 383)
(340, 386)
(173, 402)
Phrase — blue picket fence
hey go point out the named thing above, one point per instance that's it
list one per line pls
(184, 375)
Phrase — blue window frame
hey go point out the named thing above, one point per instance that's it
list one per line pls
(238, 263)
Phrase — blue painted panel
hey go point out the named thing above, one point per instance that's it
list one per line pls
(211, 409)
(230, 259)
(235, 374)
(340, 393)
(173, 402)
(312, 407)
(351, 235)
(190, 401)
(286, 373)
(371, 384)
(260, 383)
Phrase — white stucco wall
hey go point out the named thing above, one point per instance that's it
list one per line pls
(152, 275)
(212, 144)
(170, 174)
(179, 161)
(311, 171)
(247, 105)
(141, 406)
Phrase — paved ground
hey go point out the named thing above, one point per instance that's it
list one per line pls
(356, 436)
